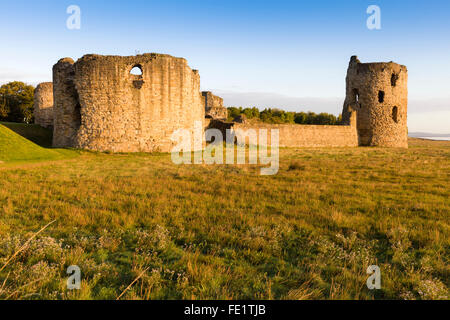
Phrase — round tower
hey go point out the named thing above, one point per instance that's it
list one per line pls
(126, 104)
(379, 94)
(43, 104)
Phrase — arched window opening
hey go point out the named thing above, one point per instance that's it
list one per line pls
(381, 96)
(395, 114)
(356, 95)
(77, 111)
(136, 71)
(394, 79)
(78, 114)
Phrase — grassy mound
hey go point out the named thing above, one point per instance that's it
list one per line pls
(14, 147)
(33, 132)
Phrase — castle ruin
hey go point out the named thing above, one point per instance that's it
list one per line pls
(374, 112)
(379, 94)
(100, 103)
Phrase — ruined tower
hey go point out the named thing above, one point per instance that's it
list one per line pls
(214, 106)
(379, 94)
(43, 105)
(102, 104)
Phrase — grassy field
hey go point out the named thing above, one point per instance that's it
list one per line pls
(224, 231)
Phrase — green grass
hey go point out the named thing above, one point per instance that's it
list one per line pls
(225, 232)
(15, 147)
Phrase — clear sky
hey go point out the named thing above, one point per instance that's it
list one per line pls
(290, 53)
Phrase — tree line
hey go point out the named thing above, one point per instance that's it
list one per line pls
(277, 116)
(16, 102)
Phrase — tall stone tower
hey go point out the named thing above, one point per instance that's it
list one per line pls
(379, 94)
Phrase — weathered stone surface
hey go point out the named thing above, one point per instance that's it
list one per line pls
(214, 106)
(67, 118)
(43, 105)
(100, 105)
(379, 93)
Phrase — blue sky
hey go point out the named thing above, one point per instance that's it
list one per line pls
(290, 53)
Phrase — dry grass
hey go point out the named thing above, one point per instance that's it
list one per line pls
(225, 232)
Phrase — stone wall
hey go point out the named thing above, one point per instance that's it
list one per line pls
(378, 91)
(101, 106)
(297, 135)
(43, 105)
(214, 106)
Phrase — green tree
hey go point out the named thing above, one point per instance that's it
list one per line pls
(301, 118)
(274, 115)
(233, 112)
(16, 102)
(251, 112)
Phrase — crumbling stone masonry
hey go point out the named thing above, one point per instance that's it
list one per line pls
(100, 105)
(214, 106)
(43, 105)
(379, 94)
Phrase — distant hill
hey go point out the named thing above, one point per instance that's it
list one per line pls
(14, 147)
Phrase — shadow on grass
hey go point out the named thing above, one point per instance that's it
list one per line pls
(33, 132)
